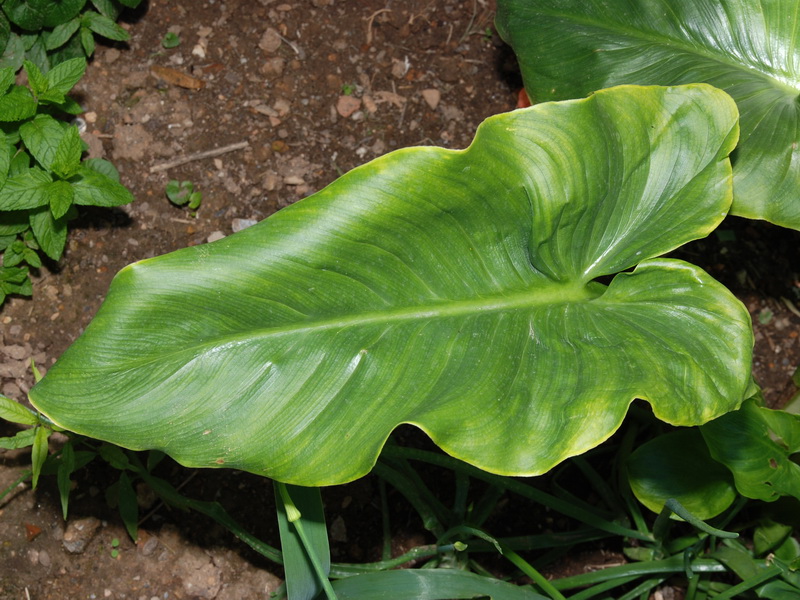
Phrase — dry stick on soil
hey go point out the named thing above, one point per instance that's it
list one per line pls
(199, 156)
(371, 19)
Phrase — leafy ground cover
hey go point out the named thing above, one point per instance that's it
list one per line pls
(312, 98)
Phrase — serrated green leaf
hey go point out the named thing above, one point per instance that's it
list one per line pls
(51, 233)
(17, 105)
(13, 222)
(14, 53)
(107, 8)
(61, 197)
(16, 413)
(5, 159)
(32, 258)
(66, 160)
(87, 40)
(39, 453)
(37, 53)
(65, 75)
(26, 15)
(130, 3)
(760, 462)
(72, 49)
(13, 254)
(62, 33)
(6, 241)
(93, 188)
(569, 48)
(51, 97)
(103, 167)
(15, 280)
(452, 290)
(102, 25)
(20, 163)
(26, 190)
(37, 81)
(60, 12)
(42, 137)
(677, 465)
(5, 31)
(7, 77)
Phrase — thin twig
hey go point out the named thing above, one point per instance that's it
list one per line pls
(371, 19)
(199, 156)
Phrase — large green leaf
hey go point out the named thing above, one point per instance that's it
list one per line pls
(453, 290)
(569, 48)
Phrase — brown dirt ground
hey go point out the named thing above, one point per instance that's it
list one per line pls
(423, 72)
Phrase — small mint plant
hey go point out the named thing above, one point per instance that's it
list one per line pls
(42, 174)
(49, 32)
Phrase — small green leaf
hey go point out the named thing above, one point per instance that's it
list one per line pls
(51, 97)
(103, 26)
(16, 413)
(128, 507)
(62, 33)
(37, 81)
(14, 53)
(103, 167)
(66, 466)
(115, 456)
(22, 439)
(26, 190)
(67, 157)
(42, 137)
(22, 13)
(37, 54)
(61, 195)
(7, 77)
(171, 40)
(178, 192)
(32, 258)
(677, 465)
(130, 3)
(107, 8)
(93, 188)
(51, 233)
(768, 536)
(13, 222)
(195, 199)
(87, 40)
(17, 105)
(39, 452)
(65, 75)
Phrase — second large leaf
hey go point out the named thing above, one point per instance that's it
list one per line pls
(569, 48)
(453, 290)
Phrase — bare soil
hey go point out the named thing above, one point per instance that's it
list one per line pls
(314, 88)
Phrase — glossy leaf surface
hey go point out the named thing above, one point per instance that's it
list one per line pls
(452, 290)
(749, 48)
(677, 465)
(756, 444)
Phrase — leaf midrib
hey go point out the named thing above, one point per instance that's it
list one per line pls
(553, 293)
(671, 42)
